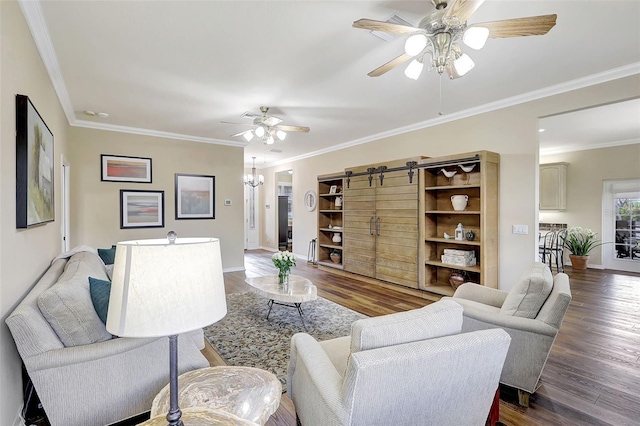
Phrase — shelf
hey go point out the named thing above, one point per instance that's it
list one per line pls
(331, 230)
(443, 187)
(444, 265)
(452, 212)
(330, 211)
(452, 241)
(330, 264)
(330, 195)
(331, 246)
(442, 289)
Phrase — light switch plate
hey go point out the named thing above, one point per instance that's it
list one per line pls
(227, 202)
(520, 229)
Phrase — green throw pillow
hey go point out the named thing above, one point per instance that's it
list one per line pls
(100, 291)
(108, 256)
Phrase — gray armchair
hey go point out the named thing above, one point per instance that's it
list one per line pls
(408, 368)
(531, 313)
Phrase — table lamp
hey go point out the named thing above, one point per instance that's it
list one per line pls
(165, 287)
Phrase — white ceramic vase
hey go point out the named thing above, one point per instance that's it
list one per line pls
(459, 202)
(337, 237)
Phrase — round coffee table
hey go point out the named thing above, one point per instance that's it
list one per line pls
(298, 290)
(247, 393)
(201, 417)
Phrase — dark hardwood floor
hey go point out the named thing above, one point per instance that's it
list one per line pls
(592, 376)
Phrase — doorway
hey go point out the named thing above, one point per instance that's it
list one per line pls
(251, 227)
(284, 182)
(621, 224)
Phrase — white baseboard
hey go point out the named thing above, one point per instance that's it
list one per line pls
(236, 269)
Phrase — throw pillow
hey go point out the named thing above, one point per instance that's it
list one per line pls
(108, 256)
(530, 292)
(100, 291)
(67, 305)
(438, 319)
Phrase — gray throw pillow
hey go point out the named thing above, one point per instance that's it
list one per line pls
(530, 292)
(67, 305)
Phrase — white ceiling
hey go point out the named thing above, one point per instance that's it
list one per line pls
(179, 68)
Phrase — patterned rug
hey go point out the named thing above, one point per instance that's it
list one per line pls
(245, 337)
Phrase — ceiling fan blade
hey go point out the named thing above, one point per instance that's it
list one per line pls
(386, 27)
(233, 122)
(240, 133)
(271, 121)
(518, 27)
(287, 128)
(462, 9)
(389, 65)
(250, 114)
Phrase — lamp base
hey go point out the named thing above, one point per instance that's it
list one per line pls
(174, 414)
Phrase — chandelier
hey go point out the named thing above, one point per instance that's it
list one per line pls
(268, 134)
(253, 179)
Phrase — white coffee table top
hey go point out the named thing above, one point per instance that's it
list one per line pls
(299, 290)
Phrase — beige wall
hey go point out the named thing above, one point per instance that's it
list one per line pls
(585, 175)
(24, 254)
(95, 205)
(512, 132)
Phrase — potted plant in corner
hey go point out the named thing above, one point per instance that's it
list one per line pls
(580, 242)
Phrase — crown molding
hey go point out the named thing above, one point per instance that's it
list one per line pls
(564, 149)
(38, 27)
(591, 80)
(155, 133)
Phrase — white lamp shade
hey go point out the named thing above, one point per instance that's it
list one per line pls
(415, 44)
(475, 37)
(259, 131)
(281, 134)
(414, 69)
(162, 289)
(248, 135)
(270, 140)
(463, 64)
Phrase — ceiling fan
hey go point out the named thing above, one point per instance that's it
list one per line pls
(267, 127)
(436, 36)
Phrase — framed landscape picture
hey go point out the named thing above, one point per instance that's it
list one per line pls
(117, 168)
(34, 166)
(195, 196)
(141, 209)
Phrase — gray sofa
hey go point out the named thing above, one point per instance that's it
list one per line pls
(82, 374)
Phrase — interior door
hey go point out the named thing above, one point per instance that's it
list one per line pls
(359, 237)
(397, 229)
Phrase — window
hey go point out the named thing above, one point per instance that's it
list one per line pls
(627, 227)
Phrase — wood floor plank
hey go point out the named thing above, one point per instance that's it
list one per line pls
(591, 376)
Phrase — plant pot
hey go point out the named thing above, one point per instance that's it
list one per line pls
(335, 257)
(579, 262)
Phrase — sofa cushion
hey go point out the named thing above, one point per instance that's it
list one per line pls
(108, 256)
(438, 319)
(100, 291)
(530, 292)
(67, 305)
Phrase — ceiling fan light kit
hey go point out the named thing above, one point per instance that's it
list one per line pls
(267, 128)
(253, 179)
(438, 33)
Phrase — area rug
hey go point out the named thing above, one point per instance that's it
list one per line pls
(244, 337)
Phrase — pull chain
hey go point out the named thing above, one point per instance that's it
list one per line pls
(440, 112)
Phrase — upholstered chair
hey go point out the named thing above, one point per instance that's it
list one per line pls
(531, 312)
(409, 368)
